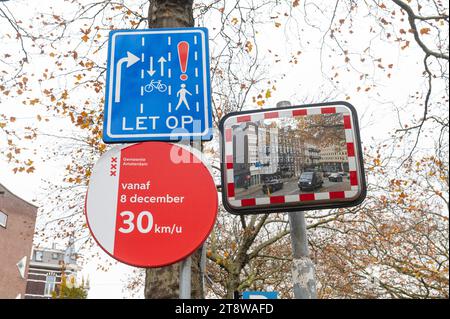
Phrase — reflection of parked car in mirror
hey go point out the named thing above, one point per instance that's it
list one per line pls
(335, 177)
(310, 180)
(272, 185)
(343, 174)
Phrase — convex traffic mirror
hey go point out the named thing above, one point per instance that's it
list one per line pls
(292, 158)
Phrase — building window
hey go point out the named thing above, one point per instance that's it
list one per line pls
(39, 255)
(50, 283)
(3, 219)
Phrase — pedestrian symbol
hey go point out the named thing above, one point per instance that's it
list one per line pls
(158, 85)
(182, 94)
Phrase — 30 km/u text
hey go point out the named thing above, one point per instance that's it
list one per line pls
(144, 224)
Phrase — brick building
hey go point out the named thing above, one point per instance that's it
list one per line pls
(46, 268)
(17, 222)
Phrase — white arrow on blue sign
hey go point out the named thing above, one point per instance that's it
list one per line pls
(157, 86)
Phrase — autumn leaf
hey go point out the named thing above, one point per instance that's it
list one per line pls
(34, 101)
(65, 95)
(30, 169)
(405, 46)
(248, 46)
(277, 24)
(85, 38)
(425, 31)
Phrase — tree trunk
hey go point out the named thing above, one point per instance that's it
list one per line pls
(170, 14)
(232, 284)
(164, 282)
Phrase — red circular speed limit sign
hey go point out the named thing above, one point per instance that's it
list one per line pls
(150, 204)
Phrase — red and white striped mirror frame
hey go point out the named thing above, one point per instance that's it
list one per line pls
(297, 202)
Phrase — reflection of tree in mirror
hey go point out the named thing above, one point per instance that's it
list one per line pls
(326, 128)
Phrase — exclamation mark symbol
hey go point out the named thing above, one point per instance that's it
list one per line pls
(183, 53)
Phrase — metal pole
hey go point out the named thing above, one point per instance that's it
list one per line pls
(303, 273)
(185, 278)
(186, 264)
(203, 267)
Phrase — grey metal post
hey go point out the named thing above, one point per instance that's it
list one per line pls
(303, 273)
(203, 267)
(186, 264)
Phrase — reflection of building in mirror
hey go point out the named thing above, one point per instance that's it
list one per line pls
(334, 158)
(255, 153)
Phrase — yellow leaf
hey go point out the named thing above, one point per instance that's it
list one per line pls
(85, 38)
(268, 94)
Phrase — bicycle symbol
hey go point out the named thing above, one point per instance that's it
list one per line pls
(155, 85)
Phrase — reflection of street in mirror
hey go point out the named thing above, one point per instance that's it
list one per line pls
(289, 156)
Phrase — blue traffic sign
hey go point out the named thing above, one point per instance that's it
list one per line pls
(157, 86)
(260, 295)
